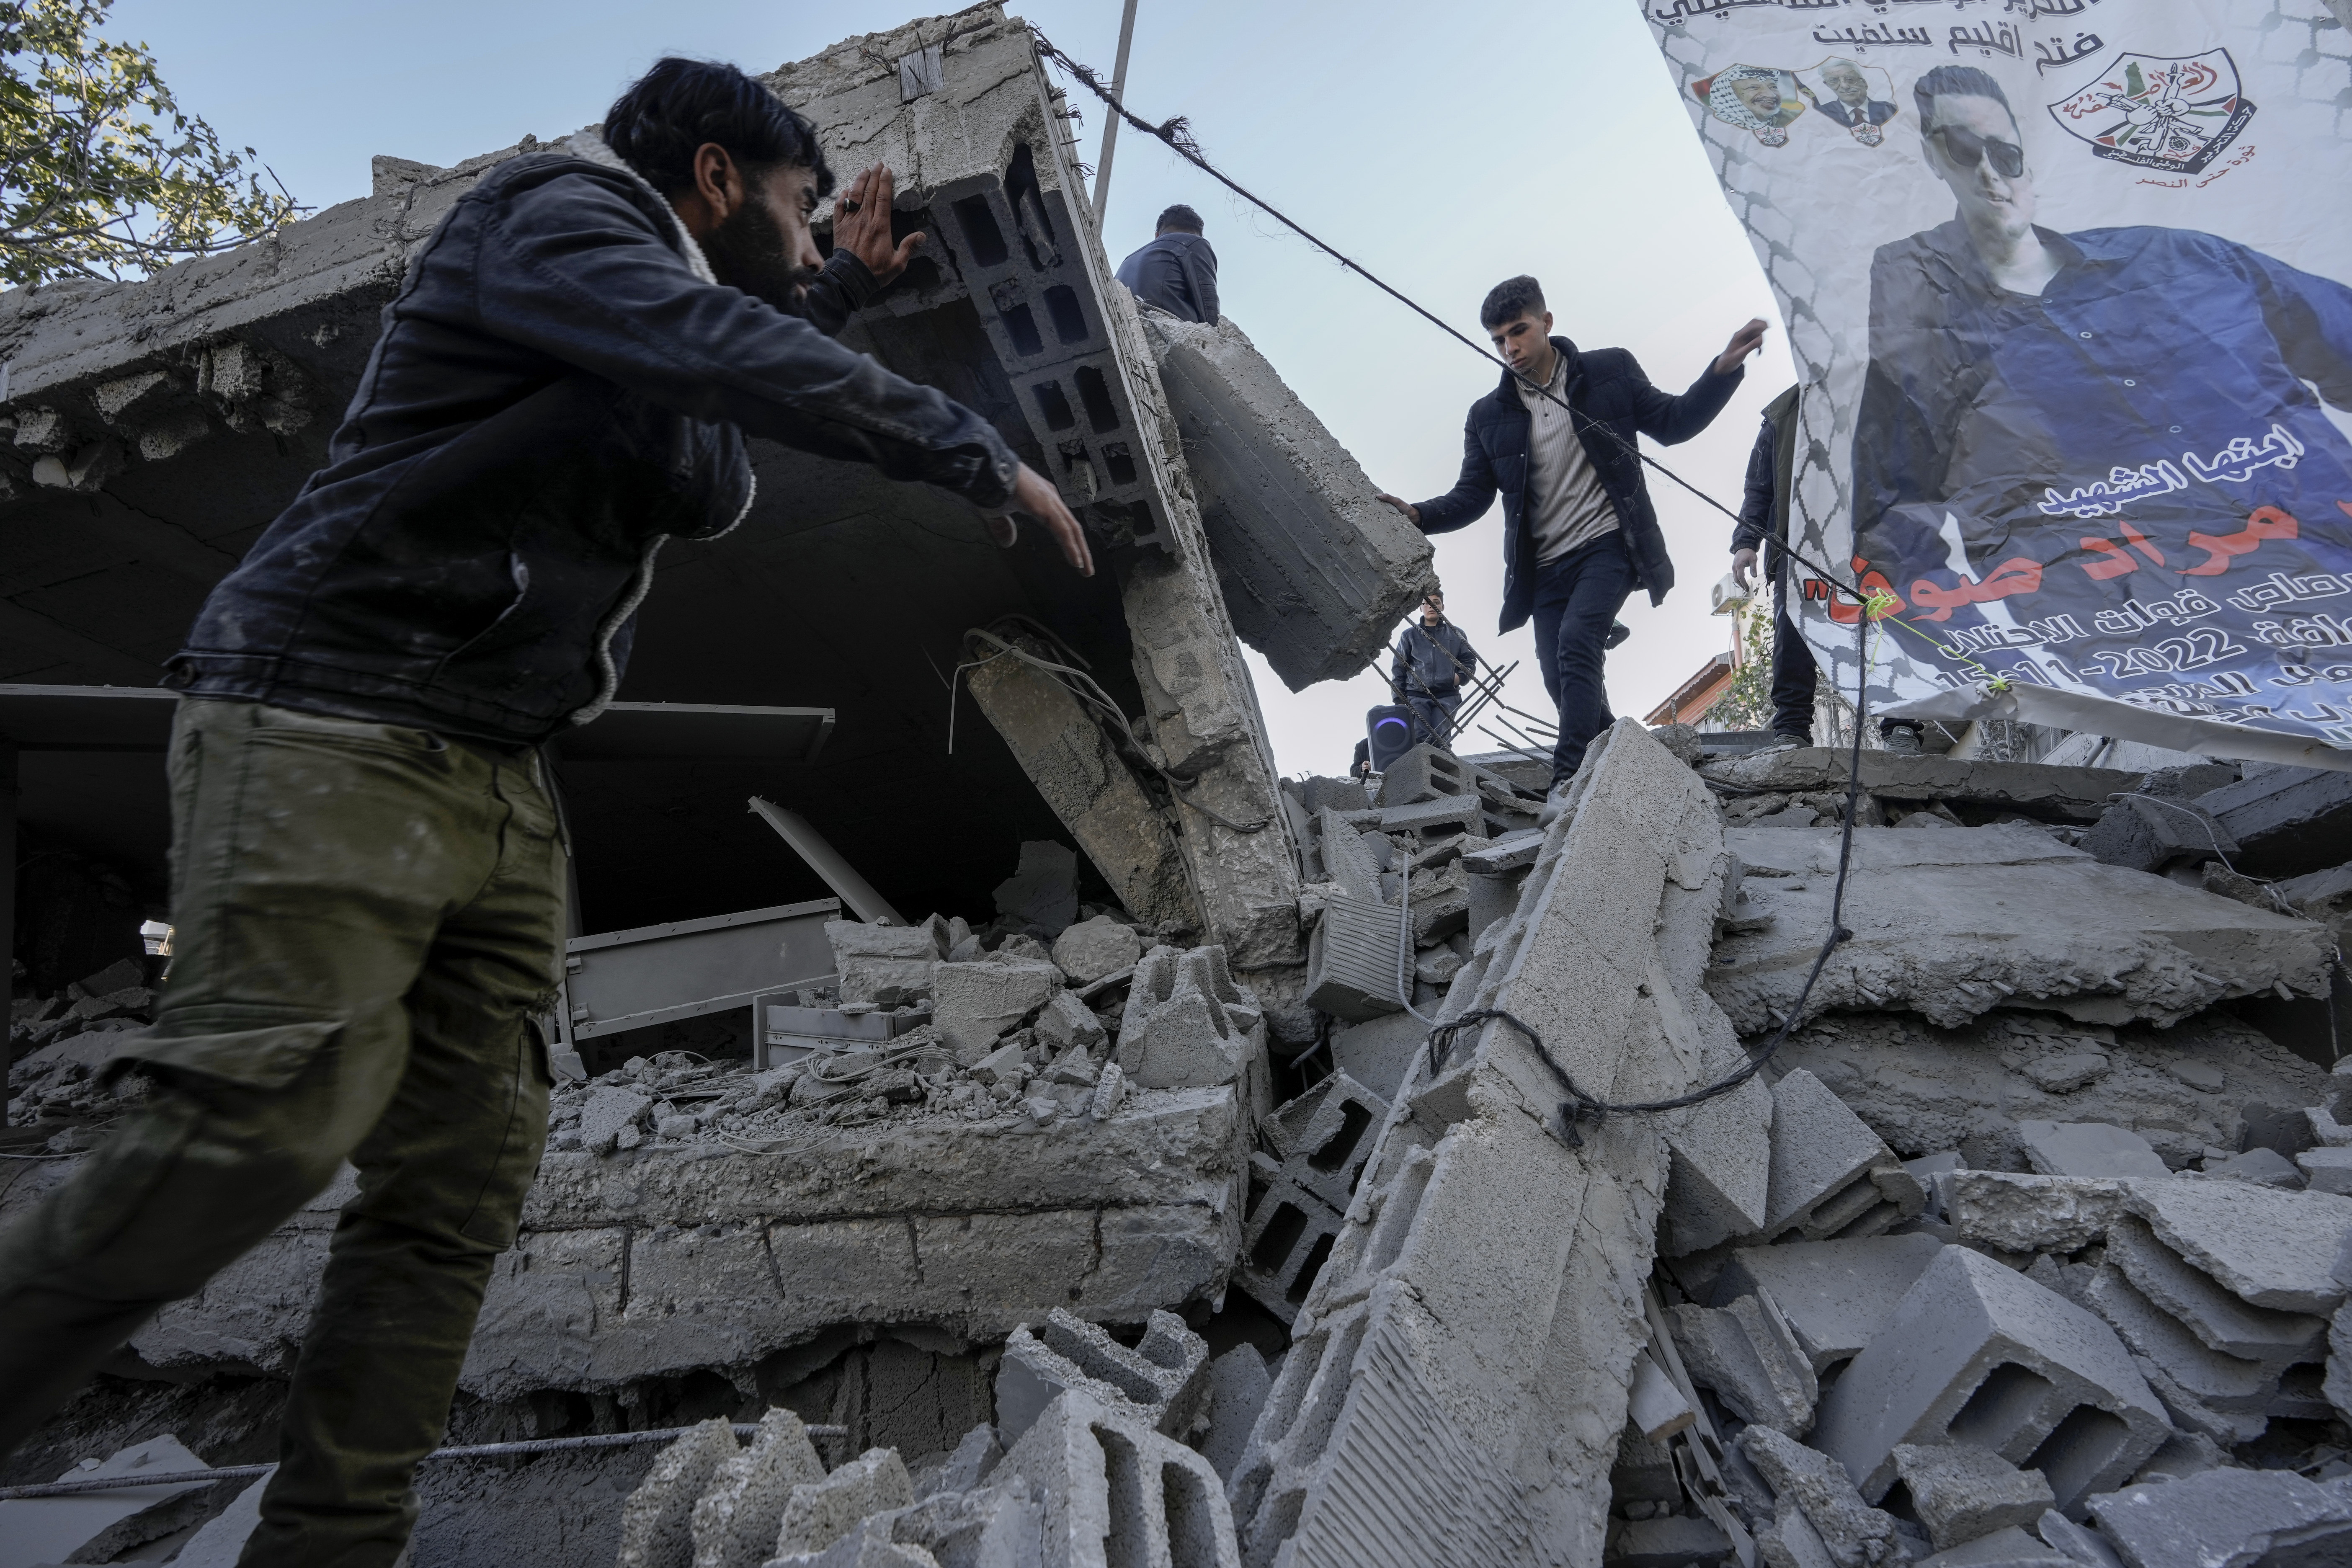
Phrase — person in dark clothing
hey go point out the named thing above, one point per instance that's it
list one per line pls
(1177, 271)
(368, 880)
(1764, 525)
(1555, 440)
(1434, 658)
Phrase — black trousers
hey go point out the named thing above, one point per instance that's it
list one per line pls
(1795, 677)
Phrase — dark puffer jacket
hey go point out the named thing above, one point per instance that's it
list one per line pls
(559, 387)
(1606, 389)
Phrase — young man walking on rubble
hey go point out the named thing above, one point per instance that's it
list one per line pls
(368, 883)
(1556, 438)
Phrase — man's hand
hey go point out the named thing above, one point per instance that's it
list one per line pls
(1743, 561)
(861, 224)
(1411, 512)
(1040, 500)
(1744, 341)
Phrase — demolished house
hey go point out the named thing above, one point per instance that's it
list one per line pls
(1233, 1170)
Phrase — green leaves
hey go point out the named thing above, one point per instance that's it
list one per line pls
(101, 173)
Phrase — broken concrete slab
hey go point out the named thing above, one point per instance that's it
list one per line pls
(2018, 1213)
(1978, 1353)
(2327, 1170)
(1963, 1492)
(1458, 1379)
(1378, 1052)
(2288, 821)
(2267, 1248)
(2226, 1385)
(2213, 1314)
(1954, 924)
(1837, 1295)
(1161, 1382)
(2142, 834)
(1745, 1352)
(92, 1527)
(2088, 1149)
(1315, 570)
(2029, 789)
(2233, 1517)
(1925, 1090)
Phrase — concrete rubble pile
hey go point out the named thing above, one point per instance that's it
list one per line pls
(58, 1046)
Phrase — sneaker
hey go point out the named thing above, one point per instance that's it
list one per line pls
(1618, 632)
(1782, 740)
(1903, 740)
(1554, 804)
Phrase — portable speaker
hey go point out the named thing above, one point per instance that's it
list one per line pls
(1390, 731)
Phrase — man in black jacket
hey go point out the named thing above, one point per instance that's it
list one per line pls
(1178, 271)
(1434, 658)
(368, 882)
(1764, 525)
(1556, 438)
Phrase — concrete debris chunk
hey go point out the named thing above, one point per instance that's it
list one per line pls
(1668, 1541)
(2032, 789)
(1238, 1384)
(2100, 943)
(1831, 1175)
(1067, 1023)
(2015, 1212)
(1106, 1475)
(1043, 891)
(609, 1113)
(1656, 1409)
(820, 1512)
(2009, 1547)
(2285, 820)
(1978, 1353)
(2148, 835)
(889, 966)
(2184, 1454)
(2263, 1167)
(2088, 1149)
(1094, 948)
(1836, 1295)
(1852, 1533)
(1186, 1025)
(1378, 1052)
(975, 1004)
(93, 1527)
(1315, 570)
(2086, 1548)
(2215, 1315)
(1160, 1383)
(734, 1520)
(967, 1465)
(2267, 1248)
(2227, 1519)
(2327, 1170)
(1962, 1491)
(1746, 1354)
(658, 1520)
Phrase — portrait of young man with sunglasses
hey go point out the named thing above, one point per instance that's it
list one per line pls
(2012, 364)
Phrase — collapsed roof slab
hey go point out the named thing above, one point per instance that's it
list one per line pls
(157, 427)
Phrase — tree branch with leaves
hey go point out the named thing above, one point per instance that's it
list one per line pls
(102, 175)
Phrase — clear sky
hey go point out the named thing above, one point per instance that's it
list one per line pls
(1445, 148)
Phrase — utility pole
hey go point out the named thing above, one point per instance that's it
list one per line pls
(1111, 117)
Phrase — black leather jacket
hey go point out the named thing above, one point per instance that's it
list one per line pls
(1606, 389)
(559, 387)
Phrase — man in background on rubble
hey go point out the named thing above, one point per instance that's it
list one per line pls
(1557, 439)
(1434, 659)
(1177, 271)
(1764, 523)
(368, 879)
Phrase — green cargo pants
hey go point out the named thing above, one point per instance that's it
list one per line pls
(365, 917)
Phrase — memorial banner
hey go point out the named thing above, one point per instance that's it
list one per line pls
(2067, 283)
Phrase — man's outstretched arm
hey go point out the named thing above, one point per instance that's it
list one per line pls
(1672, 419)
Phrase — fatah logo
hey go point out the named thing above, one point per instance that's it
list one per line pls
(2171, 114)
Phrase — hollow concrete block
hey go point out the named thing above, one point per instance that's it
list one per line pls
(1161, 1382)
(1836, 1295)
(1831, 1175)
(1353, 959)
(1117, 1491)
(1978, 1353)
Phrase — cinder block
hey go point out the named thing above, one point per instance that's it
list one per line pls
(1444, 816)
(887, 966)
(657, 1519)
(1161, 1382)
(819, 1513)
(2230, 1517)
(1117, 1491)
(1379, 1052)
(1836, 1295)
(1424, 773)
(1746, 1354)
(1324, 1136)
(974, 1005)
(735, 1519)
(2088, 1149)
(1833, 1177)
(1352, 959)
(1978, 1353)
(1186, 1025)
(1852, 1533)
(1962, 1491)
(2216, 1316)
(1288, 1236)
